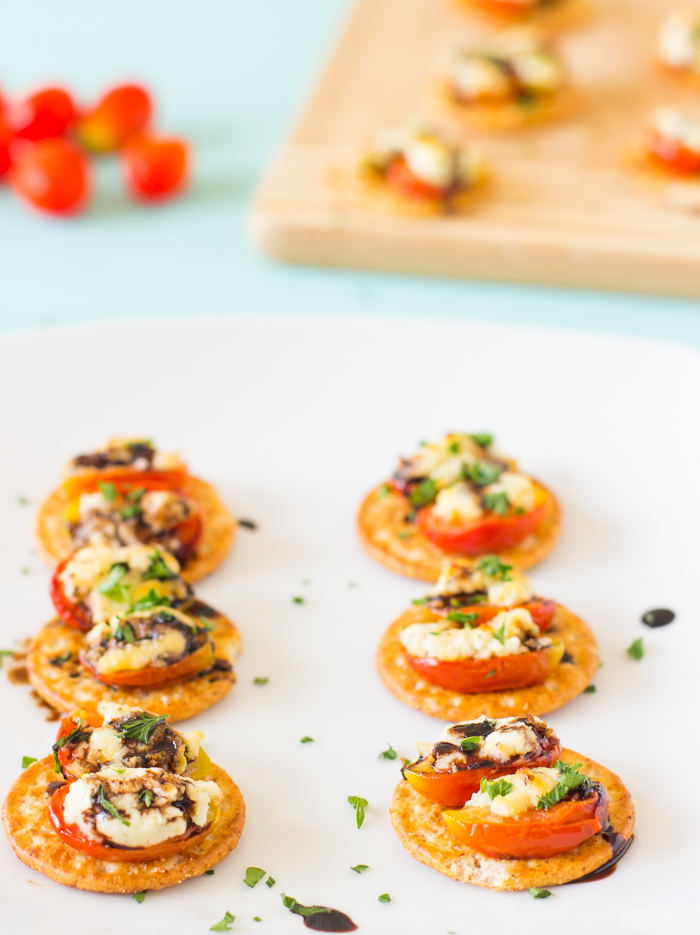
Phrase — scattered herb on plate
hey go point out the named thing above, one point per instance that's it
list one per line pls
(636, 649)
(307, 739)
(384, 898)
(358, 868)
(253, 875)
(261, 680)
(27, 761)
(589, 689)
(359, 804)
(388, 754)
(224, 925)
(298, 600)
(139, 897)
(537, 893)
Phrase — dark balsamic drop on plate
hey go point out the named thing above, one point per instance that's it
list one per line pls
(331, 921)
(660, 617)
(247, 523)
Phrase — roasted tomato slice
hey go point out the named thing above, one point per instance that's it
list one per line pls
(454, 789)
(400, 177)
(491, 533)
(85, 716)
(74, 613)
(542, 611)
(488, 675)
(124, 479)
(189, 532)
(73, 836)
(153, 676)
(672, 155)
(536, 833)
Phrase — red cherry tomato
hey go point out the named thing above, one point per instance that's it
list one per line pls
(51, 175)
(534, 834)
(75, 614)
(672, 155)
(5, 139)
(120, 114)
(541, 611)
(152, 677)
(124, 479)
(45, 114)
(88, 717)
(400, 177)
(154, 168)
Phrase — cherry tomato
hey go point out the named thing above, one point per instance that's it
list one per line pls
(400, 177)
(188, 532)
(541, 611)
(534, 834)
(51, 175)
(120, 114)
(490, 533)
(124, 479)
(154, 168)
(454, 789)
(518, 670)
(45, 114)
(672, 155)
(72, 835)
(88, 717)
(74, 613)
(510, 8)
(5, 139)
(154, 677)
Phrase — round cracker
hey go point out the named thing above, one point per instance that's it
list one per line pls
(568, 14)
(388, 538)
(54, 541)
(664, 188)
(566, 682)
(182, 700)
(500, 118)
(29, 830)
(421, 829)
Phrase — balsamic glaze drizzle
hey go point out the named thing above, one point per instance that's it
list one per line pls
(660, 617)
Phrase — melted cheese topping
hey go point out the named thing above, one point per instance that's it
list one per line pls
(529, 785)
(676, 126)
(431, 158)
(441, 640)
(517, 487)
(161, 461)
(678, 42)
(455, 448)
(475, 75)
(465, 577)
(457, 504)
(510, 738)
(147, 826)
(138, 655)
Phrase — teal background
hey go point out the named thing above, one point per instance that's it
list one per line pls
(229, 75)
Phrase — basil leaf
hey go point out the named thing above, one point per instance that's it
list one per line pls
(537, 893)
(482, 473)
(358, 868)
(500, 634)
(139, 897)
(384, 898)
(636, 649)
(492, 566)
(253, 875)
(570, 779)
(389, 753)
(496, 502)
(27, 761)
(469, 743)
(158, 569)
(464, 620)
(147, 797)
(497, 787)
(424, 493)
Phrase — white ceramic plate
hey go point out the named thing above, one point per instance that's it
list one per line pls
(294, 419)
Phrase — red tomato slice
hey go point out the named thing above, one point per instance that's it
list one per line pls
(535, 834)
(73, 836)
(505, 7)
(491, 533)
(75, 614)
(400, 177)
(189, 532)
(672, 155)
(487, 675)
(124, 479)
(454, 789)
(153, 677)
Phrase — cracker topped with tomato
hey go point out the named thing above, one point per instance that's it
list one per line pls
(482, 642)
(131, 630)
(130, 492)
(534, 825)
(125, 804)
(458, 496)
(665, 165)
(678, 46)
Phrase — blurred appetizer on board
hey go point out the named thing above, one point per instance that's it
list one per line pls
(521, 812)
(482, 642)
(551, 13)
(665, 165)
(130, 630)
(131, 492)
(459, 495)
(413, 171)
(124, 804)
(513, 81)
(678, 45)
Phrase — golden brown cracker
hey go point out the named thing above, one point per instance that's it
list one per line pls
(566, 682)
(421, 829)
(26, 821)
(66, 686)
(389, 539)
(666, 189)
(218, 530)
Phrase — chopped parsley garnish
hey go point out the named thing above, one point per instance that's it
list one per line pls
(420, 601)
(389, 753)
(59, 660)
(359, 804)
(298, 600)
(22, 501)
(589, 689)
(464, 620)
(537, 893)
(139, 897)
(6, 652)
(261, 680)
(404, 533)
(483, 439)
(384, 491)
(481, 473)
(424, 493)
(147, 797)
(570, 779)
(358, 868)
(636, 649)
(224, 925)
(208, 873)
(306, 739)
(453, 448)
(108, 491)
(270, 882)
(492, 566)
(255, 918)
(100, 799)
(253, 875)
(497, 787)
(469, 743)
(490, 674)
(111, 587)
(500, 634)
(300, 910)
(125, 632)
(496, 502)
(130, 511)
(152, 599)
(142, 726)
(207, 624)
(158, 569)
(27, 761)
(384, 898)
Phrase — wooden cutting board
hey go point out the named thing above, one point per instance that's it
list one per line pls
(560, 210)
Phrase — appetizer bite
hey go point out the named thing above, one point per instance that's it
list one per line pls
(130, 492)
(412, 171)
(481, 641)
(514, 81)
(678, 45)
(125, 804)
(549, 12)
(666, 165)
(458, 496)
(130, 630)
(530, 815)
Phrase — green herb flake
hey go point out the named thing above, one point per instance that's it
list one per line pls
(469, 743)
(464, 620)
(358, 868)
(158, 569)
(453, 448)
(384, 898)
(298, 600)
(500, 634)
(261, 680)
(384, 491)
(420, 601)
(636, 649)
(27, 761)
(424, 493)
(59, 660)
(152, 599)
(111, 586)
(206, 624)
(147, 797)
(482, 473)
(537, 893)
(359, 804)
(570, 779)
(208, 873)
(300, 910)
(589, 689)
(22, 501)
(490, 675)
(496, 503)
(108, 491)
(139, 897)
(307, 739)
(142, 726)
(6, 652)
(224, 925)
(253, 875)
(129, 511)
(404, 533)
(25, 570)
(497, 787)
(125, 632)
(483, 439)
(257, 919)
(100, 799)
(492, 566)
(270, 882)
(389, 753)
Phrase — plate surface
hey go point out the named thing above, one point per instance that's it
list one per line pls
(294, 419)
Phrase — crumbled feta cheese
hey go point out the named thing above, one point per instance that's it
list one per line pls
(678, 43)
(517, 487)
(507, 593)
(458, 503)
(430, 160)
(537, 70)
(142, 653)
(529, 785)
(442, 640)
(479, 76)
